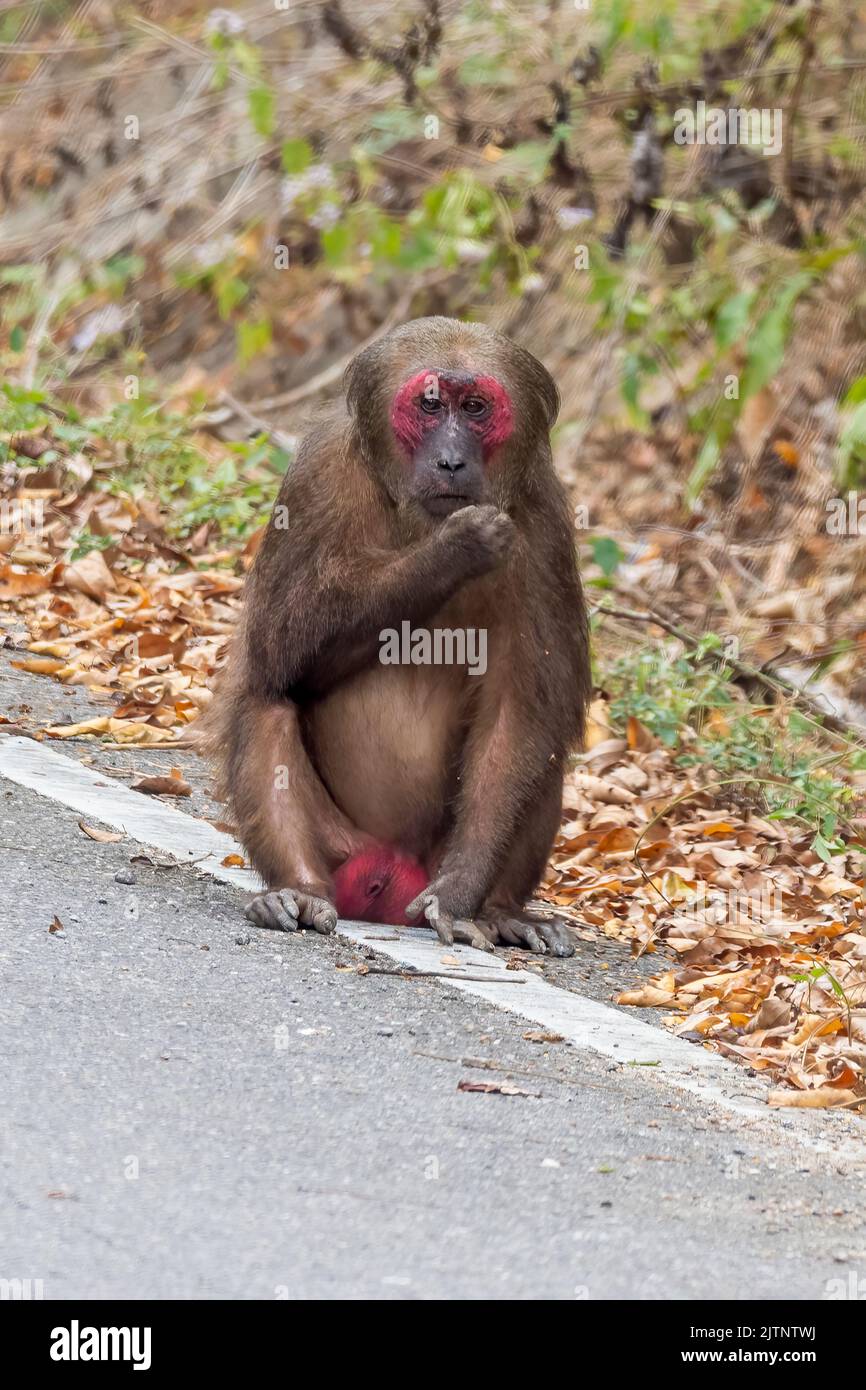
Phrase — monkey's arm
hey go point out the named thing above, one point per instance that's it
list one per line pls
(530, 715)
(316, 618)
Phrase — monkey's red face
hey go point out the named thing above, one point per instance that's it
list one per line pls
(448, 426)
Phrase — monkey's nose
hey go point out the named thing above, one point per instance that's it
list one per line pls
(451, 464)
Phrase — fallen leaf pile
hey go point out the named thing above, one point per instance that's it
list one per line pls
(141, 624)
(769, 941)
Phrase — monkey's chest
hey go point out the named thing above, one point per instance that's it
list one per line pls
(387, 745)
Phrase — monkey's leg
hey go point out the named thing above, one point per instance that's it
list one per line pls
(505, 772)
(502, 915)
(290, 827)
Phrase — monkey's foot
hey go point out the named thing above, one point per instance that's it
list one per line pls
(548, 936)
(290, 908)
(447, 927)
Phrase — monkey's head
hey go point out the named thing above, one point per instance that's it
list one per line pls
(449, 414)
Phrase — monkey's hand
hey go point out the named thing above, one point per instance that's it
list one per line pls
(478, 537)
(446, 926)
(290, 908)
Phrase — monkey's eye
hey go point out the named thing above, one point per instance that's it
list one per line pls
(430, 404)
(475, 406)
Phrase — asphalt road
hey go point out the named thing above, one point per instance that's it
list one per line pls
(187, 1116)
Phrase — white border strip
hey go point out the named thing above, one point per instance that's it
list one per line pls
(585, 1023)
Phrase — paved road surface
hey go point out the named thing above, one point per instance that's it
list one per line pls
(186, 1116)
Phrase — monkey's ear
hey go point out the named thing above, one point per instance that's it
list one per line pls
(361, 376)
(537, 380)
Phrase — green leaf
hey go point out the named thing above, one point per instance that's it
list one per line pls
(296, 155)
(253, 337)
(732, 319)
(527, 162)
(710, 642)
(387, 128)
(855, 393)
(767, 342)
(484, 70)
(386, 240)
(231, 293)
(261, 107)
(606, 554)
(822, 848)
(17, 338)
(335, 243)
(703, 469)
(852, 446)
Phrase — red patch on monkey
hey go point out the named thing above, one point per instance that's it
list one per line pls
(497, 428)
(409, 422)
(376, 885)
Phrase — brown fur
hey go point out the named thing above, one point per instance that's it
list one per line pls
(463, 772)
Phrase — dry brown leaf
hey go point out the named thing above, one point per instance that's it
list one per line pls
(90, 575)
(16, 583)
(600, 790)
(598, 729)
(165, 786)
(498, 1088)
(39, 665)
(639, 736)
(819, 1098)
(648, 997)
(105, 837)
(86, 727)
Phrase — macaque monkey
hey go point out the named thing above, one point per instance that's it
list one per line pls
(426, 502)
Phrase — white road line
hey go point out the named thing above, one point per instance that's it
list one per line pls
(585, 1023)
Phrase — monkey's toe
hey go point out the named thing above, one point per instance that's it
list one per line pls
(316, 912)
(274, 911)
(447, 927)
(472, 934)
(541, 936)
(557, 937)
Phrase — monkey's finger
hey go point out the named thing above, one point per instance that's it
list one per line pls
(520, 933)
(557, 936)
(418, 905)
(441, 921)
(470, 934)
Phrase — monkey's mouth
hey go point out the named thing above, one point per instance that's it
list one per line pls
(444, 503)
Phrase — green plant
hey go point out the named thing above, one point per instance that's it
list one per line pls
(687, 701)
